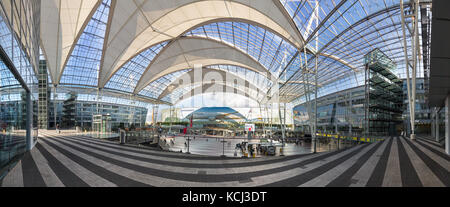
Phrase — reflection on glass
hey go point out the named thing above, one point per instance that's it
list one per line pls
(12, 125)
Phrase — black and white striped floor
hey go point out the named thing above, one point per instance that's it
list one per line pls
(71, 160)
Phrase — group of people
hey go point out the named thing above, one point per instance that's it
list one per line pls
(244, 146)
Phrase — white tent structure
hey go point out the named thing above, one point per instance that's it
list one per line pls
(140, 47)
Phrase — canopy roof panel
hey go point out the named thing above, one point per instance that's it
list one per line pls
(62, 22)
(141, 47)
(187, 52)
(260, 43)
(167, 84)
(127, 77)
(139, 25)
(210, 75)
(155, 88)
(191, 90)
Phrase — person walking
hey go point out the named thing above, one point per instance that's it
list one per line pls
(160, 131)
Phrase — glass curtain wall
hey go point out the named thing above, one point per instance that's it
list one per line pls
(19, 55)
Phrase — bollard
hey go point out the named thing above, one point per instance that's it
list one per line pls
(281, 151)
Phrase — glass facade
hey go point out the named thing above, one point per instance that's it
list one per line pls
(82, 109)
(44, 95)
(425, 117)
(19, 56)
(341, 112)
(383, 96)
(352, 29)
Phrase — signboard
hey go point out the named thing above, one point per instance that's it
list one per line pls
(249, 127)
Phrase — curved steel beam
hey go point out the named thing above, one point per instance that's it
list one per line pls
(206, 88)
(186, 52)
(176, 17)
(343, 62)
(208, 74)
(371, 16)
(101, 85)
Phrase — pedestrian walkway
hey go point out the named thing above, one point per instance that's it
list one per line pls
(431, 140)
(74, 160)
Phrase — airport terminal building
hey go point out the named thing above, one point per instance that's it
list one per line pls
(132, 93)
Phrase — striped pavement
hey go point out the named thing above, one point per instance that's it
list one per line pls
(60, 160)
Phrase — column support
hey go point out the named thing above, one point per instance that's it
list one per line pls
(283, 135)
(436, 125)
(55, 105)
(262, 119)
(408, 85)
(335, 115)
(29, 122)
(350, 115)
(433, 122)
(315, 104)
(447, 124)
(316, 11)
(414, 69)
(170, 119)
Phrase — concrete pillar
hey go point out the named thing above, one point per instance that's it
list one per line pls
(433, 126)
(335, 115)
(447, 124)
(29, 122)
(349, 114)
(436, 126)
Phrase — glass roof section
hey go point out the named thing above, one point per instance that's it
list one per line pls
(155, 88)
(84, 62)
(257, 79)
(264, 46)
(7, 79)
(340, 31)
(332, 17)
(347, 30)
(179, 92)
(16, 54)
(127, 77)
(327, 68)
